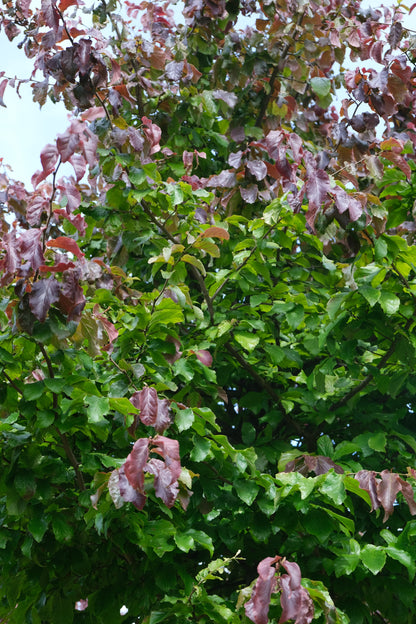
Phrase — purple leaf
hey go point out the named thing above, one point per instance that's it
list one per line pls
(395, 35)
(225, 179)
(163, 419)
(3, 85)
(67, 145)
(169, 450)
(408, 495)
(174, 70)
(226, 96)
(317, 187)
(367, 481)
(128, 492)
(48, 157)
(36, 206)
(30, 246)
(387, 490)
(72, 299)
(257, 608)
(135, 138)
(166, 487)
(135, 463)
(249, 194)
(295, 600)
(44, 293)
(234, 159)
(257, 168)
(320, 464)
(50, 14)
(146, 400)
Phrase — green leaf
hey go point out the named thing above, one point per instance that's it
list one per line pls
(373, 557)
(184, 541)
(195, 262)
(122, 405)
(247, 490)
(246, 340)
(97, 408)
(62, 530)
(404, 558)
(372, 295)
(44, 419)
(38, 527)
(389, 302)
(333, 487)
(201, 449)
(321, 86)
(33, 391)
(325, 446)
(378, 442)
(184, 419)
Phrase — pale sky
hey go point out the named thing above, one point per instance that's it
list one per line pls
(25, 128)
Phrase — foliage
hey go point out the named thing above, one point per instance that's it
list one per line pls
(207, 340)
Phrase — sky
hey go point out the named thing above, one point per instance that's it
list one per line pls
(25, 128)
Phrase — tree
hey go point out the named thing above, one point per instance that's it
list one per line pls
(207, 336)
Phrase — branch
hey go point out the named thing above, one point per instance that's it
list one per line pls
(219, 289)
(72, 459)
(267, 96)
(65, 443)
(13, 385)
(264, 384)
(364, 383)
(197, 275)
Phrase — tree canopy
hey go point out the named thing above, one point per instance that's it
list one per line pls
(207, 344)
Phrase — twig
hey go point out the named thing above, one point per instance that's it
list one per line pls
(13, 385)
(277, 69)
(65, 443)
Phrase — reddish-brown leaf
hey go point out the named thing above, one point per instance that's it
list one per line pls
(128, 492)
(295, 600)
(169, 450)
(67, 144)
(257, 608)
(387, 490)
(367, 481)
(153, 134)
(166, 486)
(49, 157)
(408, 495)
(30, 245)
(36, 206)
(163, 419)
(215, 232)
(64, 242)
(44, 293)
(146, 401)
(135, 463)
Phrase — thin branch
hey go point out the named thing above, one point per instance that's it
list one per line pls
(65, 443)
(267, 96)
(13, 385)
(197, 275)
(107, 114)
(72, 459)
(220, 288)
(263, 383)
(364, 383)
